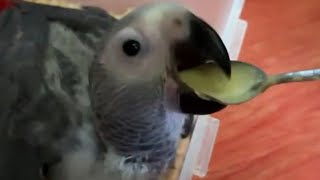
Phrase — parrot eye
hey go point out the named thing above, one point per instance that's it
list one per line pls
(131, 47)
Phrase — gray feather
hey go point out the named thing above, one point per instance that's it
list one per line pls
(44, 64)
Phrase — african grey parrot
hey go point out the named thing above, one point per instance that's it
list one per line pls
(89, 97)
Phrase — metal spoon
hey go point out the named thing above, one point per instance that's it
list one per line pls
(246, 82)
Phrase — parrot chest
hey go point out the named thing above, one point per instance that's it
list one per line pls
(143, 154)
(137, 127)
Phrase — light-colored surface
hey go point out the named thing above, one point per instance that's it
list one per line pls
(207, 128)
(237, 39)
(58, 3)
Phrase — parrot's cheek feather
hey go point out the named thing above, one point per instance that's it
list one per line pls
(172, 94)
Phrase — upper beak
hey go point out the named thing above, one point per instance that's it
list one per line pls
(202, 46)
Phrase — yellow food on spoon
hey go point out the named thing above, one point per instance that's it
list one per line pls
(246, 82)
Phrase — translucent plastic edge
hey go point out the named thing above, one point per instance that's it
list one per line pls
(237, 39)
(206, 127)
(234, 14)
(207, 145)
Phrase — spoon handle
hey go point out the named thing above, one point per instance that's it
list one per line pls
(297, 76)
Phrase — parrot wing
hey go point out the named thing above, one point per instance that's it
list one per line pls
(25, 99)
(22, 43)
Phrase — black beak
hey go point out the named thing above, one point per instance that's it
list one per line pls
(202, 46)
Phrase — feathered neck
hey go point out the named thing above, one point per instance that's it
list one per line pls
(134, 120)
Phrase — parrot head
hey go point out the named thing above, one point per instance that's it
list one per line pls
(146, 49)
(139, 101)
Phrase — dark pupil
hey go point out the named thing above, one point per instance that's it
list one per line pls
(131, 47)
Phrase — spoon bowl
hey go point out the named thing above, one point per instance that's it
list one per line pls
(246, 81)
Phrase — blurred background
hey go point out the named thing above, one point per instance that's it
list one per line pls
(277, 135)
